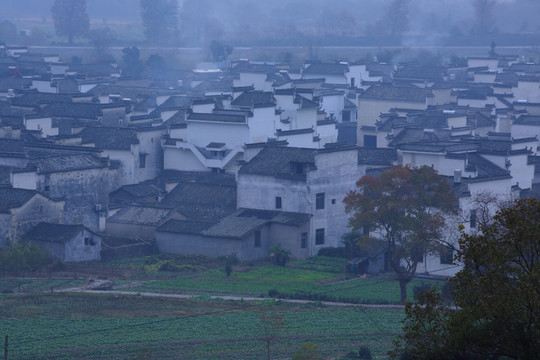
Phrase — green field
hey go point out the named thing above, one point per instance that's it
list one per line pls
(318, 279)
(131, 327)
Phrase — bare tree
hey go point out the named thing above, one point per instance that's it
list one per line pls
(396, 16)
(483, 11)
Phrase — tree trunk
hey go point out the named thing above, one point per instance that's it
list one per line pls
(403, 287)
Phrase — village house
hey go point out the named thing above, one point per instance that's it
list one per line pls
(67, 243)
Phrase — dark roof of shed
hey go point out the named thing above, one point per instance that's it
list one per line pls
(141, 215)
(217, 117)
(55, 233)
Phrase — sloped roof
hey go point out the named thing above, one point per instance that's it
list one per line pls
(14, 198)
(72, 110)
(55, 233)
(217, 117)
(255, 99)
(378, 156)
(110, 138)
(237, 225)
(281, 161)
(67, 162)
(326, 69)
(141, 215)
(431, 73)
(396, 93)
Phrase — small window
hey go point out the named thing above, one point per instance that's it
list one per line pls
(47, 188)
(473, 219)
(418, 255)
(86, 241)
(333, 201)
(303, 240)
(257, 239)
(319, 201)
(278, 202)
(447, 255)
(319, 236)
(370, 141)
(142, 161)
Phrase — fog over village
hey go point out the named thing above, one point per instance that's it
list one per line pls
(287, 179)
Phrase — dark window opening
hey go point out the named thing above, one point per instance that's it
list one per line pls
(346, 116)
(370, 141)
(473, 219)
(418, 255)
(257, 239)
(47, 188)
(447, 256)
(303, 240)
(319, 201)
(86, 241)
(319, 236)
(278, 202)
(142, 161)
(333, 201)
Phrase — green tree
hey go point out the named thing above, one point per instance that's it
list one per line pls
(101, 40)
(160, 19)
(70, 18)
(497, 296)
(220, 51)
(396, 17)
(279, 255)
(131, 62)
(405, 207)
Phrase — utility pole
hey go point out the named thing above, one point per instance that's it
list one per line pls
(6, 348)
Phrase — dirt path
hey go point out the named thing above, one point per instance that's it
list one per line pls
(223, 297)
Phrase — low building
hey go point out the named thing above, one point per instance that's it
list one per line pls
(68, 243)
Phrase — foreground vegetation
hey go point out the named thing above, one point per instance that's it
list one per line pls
(318, 279)
(106, 327)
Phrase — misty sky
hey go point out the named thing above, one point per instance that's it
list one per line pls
(262, 16)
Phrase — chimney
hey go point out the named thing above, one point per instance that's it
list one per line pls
(457, 176)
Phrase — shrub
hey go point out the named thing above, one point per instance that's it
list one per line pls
(338, 252)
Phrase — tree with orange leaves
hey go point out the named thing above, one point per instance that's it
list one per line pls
(405, 207)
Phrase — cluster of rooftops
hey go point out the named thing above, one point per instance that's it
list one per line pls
(168, 149)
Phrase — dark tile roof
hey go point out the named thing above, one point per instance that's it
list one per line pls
(110, 138)
(531, 120)
(13, 198)
(438, 147)
(485, 168)
(176, 102)
(55, 233)
(184, 226)
(237, 225)
(217, 117)
(202, 201)
(67, 162)
(347, 133)
(431, 73)
(34, 98)
(132, 92)
(14, 83)
(380, 156)
(287, 162)
(326, 69)
(396, 93)
(198, 177)
(72, 110)
(140, 215)
(255, 99)
(12, 147)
